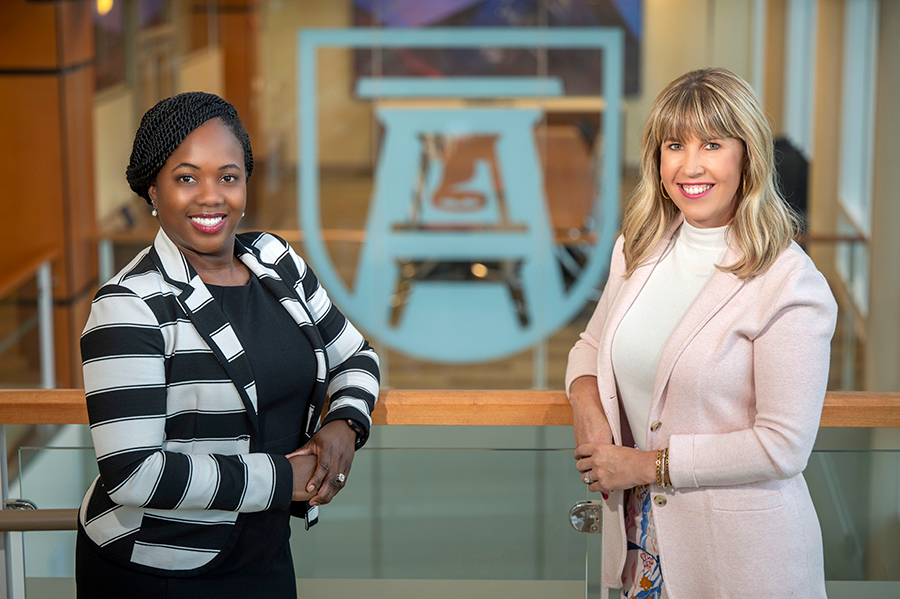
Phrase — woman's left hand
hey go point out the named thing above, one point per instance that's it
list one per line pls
(613, 467)
(333, 445)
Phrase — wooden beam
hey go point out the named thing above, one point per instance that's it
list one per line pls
(861, 410)
(473, 408)
(453, 408)
(43, 406)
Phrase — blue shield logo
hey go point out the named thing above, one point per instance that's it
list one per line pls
(460, 261)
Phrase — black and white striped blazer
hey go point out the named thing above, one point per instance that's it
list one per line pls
(172, 405)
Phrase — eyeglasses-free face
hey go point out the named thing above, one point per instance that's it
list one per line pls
(200, 194)
(702, 177)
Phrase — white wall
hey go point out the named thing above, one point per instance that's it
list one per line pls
(681, 35)
(114, 126)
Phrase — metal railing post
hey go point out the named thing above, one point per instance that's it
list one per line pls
(6, 589)
(106, 260)
(45, 327)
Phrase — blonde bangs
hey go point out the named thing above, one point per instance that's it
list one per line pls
(694, 112)
(710, 104)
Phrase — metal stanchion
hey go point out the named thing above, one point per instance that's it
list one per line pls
(7, 588)
(45, 327)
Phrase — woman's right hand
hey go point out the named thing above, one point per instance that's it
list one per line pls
(589, 420)
(303, 467)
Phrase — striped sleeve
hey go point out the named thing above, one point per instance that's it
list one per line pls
(353, 364)
(124, 357)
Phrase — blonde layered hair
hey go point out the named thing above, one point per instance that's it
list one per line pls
(708, 104)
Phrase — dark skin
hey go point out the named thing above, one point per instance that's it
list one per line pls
(303, 467)
(200, 194)
(333, 445)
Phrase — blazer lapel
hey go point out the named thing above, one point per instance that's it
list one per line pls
(718, 291)
(209, 321)
(620, 305)
(296, 307)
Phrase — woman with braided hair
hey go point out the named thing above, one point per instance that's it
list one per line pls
(697, 387)
(207, 364)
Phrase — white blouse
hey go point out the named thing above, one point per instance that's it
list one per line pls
(679, 277)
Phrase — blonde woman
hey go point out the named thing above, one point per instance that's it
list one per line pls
(697, 387)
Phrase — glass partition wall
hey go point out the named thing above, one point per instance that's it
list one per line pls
(466, 162)
(479, 511)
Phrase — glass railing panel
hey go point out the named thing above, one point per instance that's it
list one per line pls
(453, 504)
(53, 476)
(854, 479)
(482, 511)
(471, 510)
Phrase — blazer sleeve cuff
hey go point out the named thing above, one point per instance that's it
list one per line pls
(284, 483)
(681, 461)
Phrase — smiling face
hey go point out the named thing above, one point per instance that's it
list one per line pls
(200, 194)
(702, 176)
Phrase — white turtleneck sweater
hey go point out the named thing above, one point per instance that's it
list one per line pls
(685, 268)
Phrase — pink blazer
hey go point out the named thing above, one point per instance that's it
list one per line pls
(738, 393)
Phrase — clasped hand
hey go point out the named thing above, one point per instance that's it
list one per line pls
(333, 446)
(612, 467)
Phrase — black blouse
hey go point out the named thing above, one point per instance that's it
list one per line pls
(283, 365)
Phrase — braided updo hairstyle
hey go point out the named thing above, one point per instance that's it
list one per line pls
(167, 124)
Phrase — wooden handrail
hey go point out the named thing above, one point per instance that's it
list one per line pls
(455, 408)
(404, 407)
(830, 238)
(28, 270)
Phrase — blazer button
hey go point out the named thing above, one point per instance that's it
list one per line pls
(660, 500)
(655, 426)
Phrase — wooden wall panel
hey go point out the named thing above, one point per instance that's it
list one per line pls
(238, 38)
(773, 100)
(78, 169)
(80, 221)
(30, 156)
(46, 92)
(76, 32)
(27, 35)
(824, 169)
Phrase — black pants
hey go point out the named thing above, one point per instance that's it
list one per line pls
(99, 578)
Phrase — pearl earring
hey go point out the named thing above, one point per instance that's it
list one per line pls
(154, 212)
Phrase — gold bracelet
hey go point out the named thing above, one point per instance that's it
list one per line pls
(659, 475)
(666, 478)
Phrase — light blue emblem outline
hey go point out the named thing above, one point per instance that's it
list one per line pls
(605, 208)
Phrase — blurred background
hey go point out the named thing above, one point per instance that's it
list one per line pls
(454, 171)
(77, 76)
